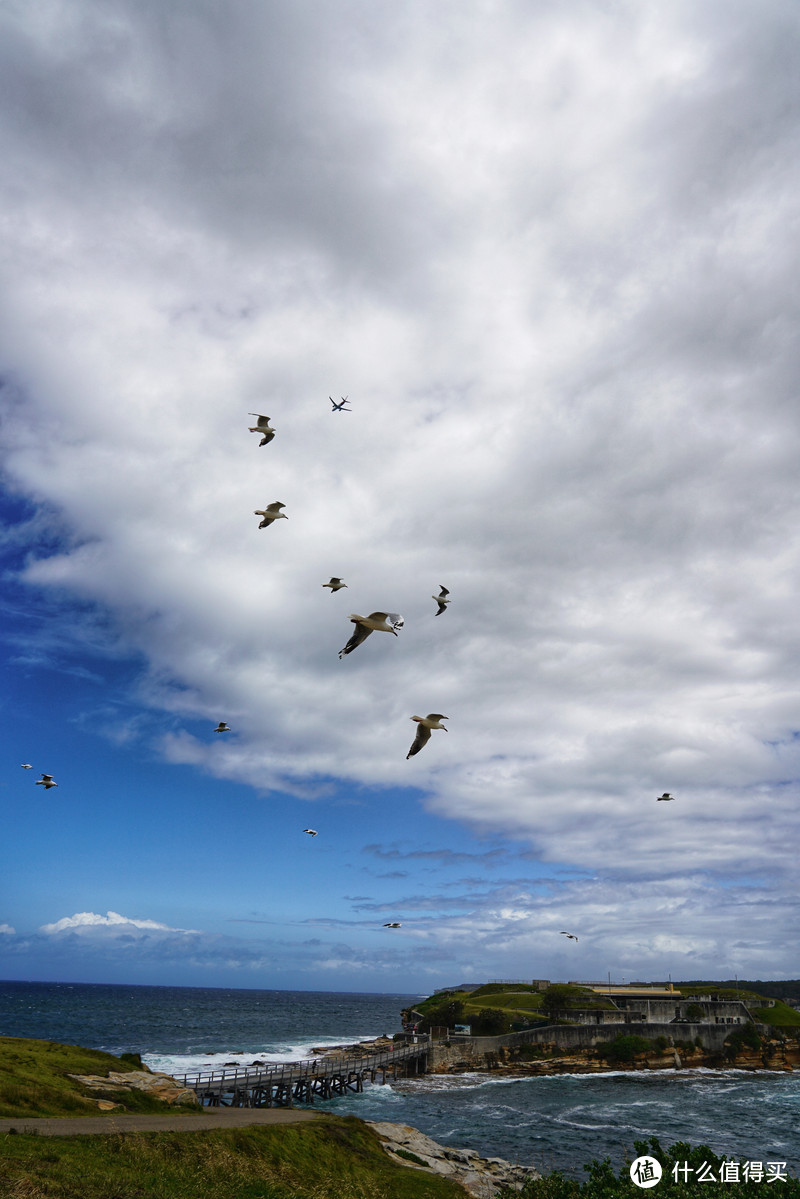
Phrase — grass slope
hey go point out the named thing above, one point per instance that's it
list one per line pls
(34, 1080)
(328, 1158)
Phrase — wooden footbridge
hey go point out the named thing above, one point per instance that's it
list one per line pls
(301, 1082)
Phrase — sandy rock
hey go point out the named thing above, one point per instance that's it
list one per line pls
(481, 1176)
(160, 1086)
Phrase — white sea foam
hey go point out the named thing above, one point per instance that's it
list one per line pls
(189, 1063)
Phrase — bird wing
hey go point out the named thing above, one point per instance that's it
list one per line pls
(360, 633)
(262, 420)
(46, 778)
(422, 737)
(442, 608)
(444, 591)
(268, 436)
(276, 507)
(394, 619)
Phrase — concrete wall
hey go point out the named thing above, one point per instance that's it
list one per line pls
(571, 1037)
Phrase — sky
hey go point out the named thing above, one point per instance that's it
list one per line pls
(549, 251)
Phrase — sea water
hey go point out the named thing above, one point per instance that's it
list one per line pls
(551, 1122)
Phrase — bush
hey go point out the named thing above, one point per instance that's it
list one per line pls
(662, 1043)
(490, 1022)
(604, 1184)
(444, 1015)
(624, 1048)
(744, 1035)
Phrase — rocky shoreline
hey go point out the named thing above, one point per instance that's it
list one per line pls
(482, 1177)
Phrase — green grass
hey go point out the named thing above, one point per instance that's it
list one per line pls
(327, 1158)
(34, 1080)
(780, 1016)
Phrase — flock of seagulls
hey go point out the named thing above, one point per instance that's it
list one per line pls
(364, 626)
(376, 622)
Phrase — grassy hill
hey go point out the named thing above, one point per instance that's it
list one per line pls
(521, 1003)
(34, 1080)
(329, 1156)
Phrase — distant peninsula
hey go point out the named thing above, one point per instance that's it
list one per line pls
(541, 1027)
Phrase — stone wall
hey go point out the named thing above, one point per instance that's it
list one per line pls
(478, 1053)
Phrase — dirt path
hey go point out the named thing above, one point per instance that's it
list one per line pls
(231, 1117)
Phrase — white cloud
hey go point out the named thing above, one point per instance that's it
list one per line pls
(545, 254)
(90, 924)
(6, 928)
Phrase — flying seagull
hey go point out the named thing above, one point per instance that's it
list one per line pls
(339, 407)
(393, 924)
(381, 622)
(664, 797)
(424, 725)
(47, 781)
(441, 600)
(262, 425)
(571, 936)
(222, 727)
(26, 766)
(335, 584)
(270, 513)
(312, 832)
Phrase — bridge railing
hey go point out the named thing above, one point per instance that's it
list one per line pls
(244, 1076)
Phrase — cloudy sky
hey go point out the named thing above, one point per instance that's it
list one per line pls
(549, 251)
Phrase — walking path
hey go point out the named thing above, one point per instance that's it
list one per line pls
(213, 1117)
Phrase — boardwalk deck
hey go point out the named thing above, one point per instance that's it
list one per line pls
(301, 1082)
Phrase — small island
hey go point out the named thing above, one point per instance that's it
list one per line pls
(539, 1027)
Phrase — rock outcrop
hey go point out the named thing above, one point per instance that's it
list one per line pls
(160, 1086)
(481, 1176)
(775, 1053)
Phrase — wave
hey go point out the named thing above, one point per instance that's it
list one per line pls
(190, 1061)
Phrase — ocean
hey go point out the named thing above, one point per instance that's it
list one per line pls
(558, 1122)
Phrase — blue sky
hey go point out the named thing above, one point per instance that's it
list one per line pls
(547, 253)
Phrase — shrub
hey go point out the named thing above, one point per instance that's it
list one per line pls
(744, 1035)
(624, 1048)
(444, 1015)
(490, 1022)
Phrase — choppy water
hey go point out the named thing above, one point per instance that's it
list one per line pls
(557, 1122)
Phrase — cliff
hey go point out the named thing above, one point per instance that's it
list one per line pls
(551, 1058)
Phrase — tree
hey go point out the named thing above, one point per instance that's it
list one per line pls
(557, 997)
(444, 1015)
(490, 1022)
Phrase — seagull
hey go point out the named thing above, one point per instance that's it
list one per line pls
(270, 513)
(47, 781)
(381, 622)
(26, 766)
(312, 832)
(424, 725)
(571, 936)
(222, 727)
(339, 407)
(335, 584)
(664, 797)
(262, 426)
(441, 601)
(393, 924)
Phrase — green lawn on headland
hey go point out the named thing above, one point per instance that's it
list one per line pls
(522, 1002)
(328, 1158)
(34, 1080)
